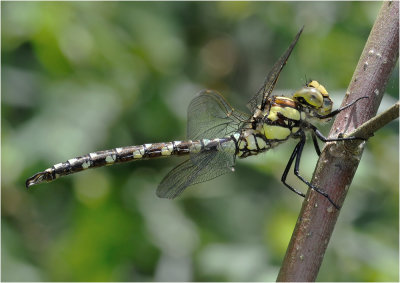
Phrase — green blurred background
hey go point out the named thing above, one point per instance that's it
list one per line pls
(79, 77)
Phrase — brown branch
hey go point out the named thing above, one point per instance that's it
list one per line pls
(339, 160)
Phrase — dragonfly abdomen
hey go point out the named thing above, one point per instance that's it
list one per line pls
(123, 154)
(120, 155)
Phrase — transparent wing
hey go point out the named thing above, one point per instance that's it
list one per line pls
(201, 167)
(262, 95)
(210, 116)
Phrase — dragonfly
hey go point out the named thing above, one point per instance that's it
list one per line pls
(218, 134)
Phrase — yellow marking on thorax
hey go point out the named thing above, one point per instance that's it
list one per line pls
(261, 143)
(273, 113)
(288, 112)
(260, 128)
(242, 144)
(276, 132)
(251, 143)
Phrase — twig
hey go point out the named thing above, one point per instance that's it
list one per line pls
(368, 129)
(339, 160)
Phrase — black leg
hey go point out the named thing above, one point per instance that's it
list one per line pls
(324, 139)
(300, 146)
(285, 173)
(335, 112)
(315, 141)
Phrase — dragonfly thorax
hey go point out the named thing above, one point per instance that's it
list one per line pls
(277, 122)
(283, 118)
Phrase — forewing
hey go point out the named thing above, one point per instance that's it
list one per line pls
(210, 116)
(201, 167)
(262, 95)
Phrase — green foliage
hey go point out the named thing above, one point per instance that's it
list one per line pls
(84, 76)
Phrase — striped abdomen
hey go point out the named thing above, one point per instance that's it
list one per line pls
(123, 154)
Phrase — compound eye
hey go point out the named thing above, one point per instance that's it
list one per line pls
(309, 95)
(327, 107)
(328, 102)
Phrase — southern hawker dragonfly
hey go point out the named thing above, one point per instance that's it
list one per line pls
(217, 135)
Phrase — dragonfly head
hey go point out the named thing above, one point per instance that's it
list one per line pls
(314, 97)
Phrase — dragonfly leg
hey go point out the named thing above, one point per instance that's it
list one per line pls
(337, 111)
(325, 139)
(285, 173)
(315, 141)
(300, 146)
